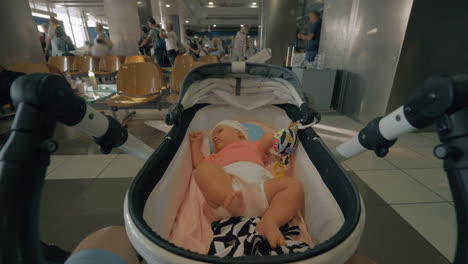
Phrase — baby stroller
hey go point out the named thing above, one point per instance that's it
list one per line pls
(259, 93)
(263, 93)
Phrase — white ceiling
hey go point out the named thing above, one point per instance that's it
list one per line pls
(223, 13)
(94, 9)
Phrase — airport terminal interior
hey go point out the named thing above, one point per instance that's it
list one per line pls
(118, 120)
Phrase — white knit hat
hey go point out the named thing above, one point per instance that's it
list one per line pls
(236, 125)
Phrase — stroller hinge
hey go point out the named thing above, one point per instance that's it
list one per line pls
(238, 86)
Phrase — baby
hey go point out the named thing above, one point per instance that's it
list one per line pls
(234, 180)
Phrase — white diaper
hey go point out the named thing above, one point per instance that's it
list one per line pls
(248, 178)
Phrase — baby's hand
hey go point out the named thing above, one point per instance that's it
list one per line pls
(196, 137)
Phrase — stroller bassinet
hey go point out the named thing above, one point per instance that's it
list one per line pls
(263, 93)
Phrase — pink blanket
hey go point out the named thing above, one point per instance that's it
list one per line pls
(192, 230)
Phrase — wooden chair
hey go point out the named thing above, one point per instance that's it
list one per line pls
(182, 66)
(109, 64)
(137, 59)
(122, 59)
(137, 84)
(29, 68)
(209, 59)
(63, 63)
(83, 64)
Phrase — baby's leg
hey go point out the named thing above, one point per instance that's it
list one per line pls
(216, 186)
(285, 196)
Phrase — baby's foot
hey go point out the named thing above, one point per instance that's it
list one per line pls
(268, 229)
(234, 204)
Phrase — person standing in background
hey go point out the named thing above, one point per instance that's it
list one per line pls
(214, 48)
(162, 45)
(194, 50)
(102, 43)
(43, 39)
(153, 36)
(145, 50)
(240, 44)
(101, 34)
(203, 51)
(171, 42)
(52, 47)
(313, 36)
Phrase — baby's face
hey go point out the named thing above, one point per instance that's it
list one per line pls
(225, 135)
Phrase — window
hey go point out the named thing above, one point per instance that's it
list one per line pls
(78, 31)
(73, 27)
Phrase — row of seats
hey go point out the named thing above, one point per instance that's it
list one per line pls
(104, 64)
(139, 72)
(138, 81)
(79, 64)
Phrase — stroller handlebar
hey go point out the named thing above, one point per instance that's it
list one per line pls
(42, 100)
(442, 99)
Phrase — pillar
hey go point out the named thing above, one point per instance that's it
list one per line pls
(182, 18)
(363, 39)
(20, 36)
(446, 54)
(163, 14)
(174, 20)
(123, 22)
(145, 11)
(278, 27)
(156, 10)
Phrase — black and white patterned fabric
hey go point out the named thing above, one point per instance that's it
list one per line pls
(237, 237)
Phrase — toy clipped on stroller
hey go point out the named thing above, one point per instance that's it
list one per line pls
(285, 143)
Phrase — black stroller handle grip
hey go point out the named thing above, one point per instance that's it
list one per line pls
(41, 100)
(23, 165)
(51, 94)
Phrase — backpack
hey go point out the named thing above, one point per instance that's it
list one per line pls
(159, 43)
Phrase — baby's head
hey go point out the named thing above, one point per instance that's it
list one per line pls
(227, 132)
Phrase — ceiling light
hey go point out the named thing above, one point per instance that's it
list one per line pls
(214, 25)
(210, 3)
(40, 15)
(186, 21)
(58, 5)
(168, 5)
(242, 25)
(254, 3)
(88, 13)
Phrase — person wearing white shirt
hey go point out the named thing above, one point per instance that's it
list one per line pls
(52, 39)
(102, 44)
(171, 42)
(239, 51)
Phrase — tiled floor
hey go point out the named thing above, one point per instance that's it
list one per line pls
(409, 179)
(410, 217)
